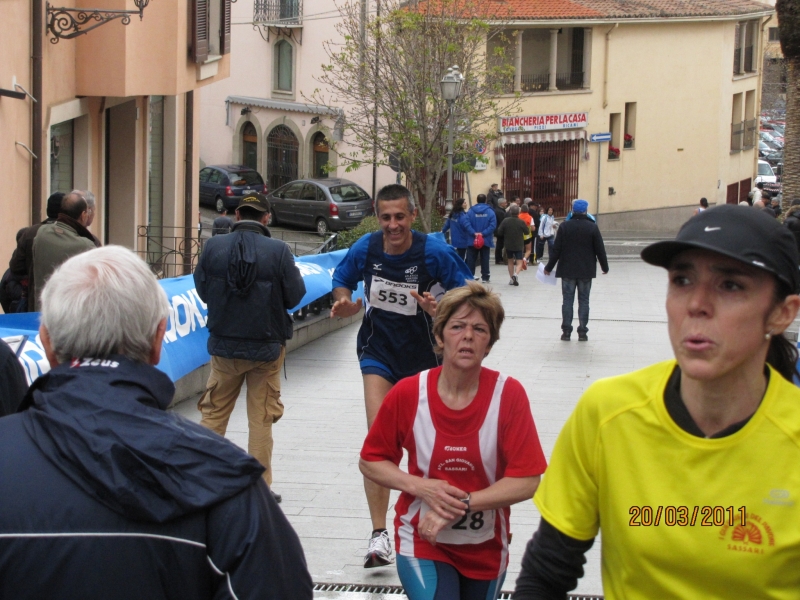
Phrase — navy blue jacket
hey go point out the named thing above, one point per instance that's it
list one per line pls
(107, 495)
(456, 225)
(249, 281)
(481, 219)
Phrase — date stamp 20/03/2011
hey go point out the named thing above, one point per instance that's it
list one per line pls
(686, 516)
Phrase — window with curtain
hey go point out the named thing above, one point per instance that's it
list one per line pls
(283, 66)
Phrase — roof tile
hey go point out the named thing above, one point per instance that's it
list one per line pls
(629, 9)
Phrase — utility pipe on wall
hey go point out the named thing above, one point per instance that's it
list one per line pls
(37, 40)
(188, 180)
(605, 66)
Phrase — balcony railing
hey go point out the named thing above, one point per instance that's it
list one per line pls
(569, 81)
(737, 61)
(748, 60)
(278, 12)
(539, 83)
(750, 133)
(737, 133)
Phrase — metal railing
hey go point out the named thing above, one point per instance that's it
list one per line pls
(569, 81)
(535, 83)
(170, 254)
(278, 12)
(737, 135)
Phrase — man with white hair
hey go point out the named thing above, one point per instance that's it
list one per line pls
(107, 495)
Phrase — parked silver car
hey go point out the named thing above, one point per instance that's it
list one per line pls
(323, 204)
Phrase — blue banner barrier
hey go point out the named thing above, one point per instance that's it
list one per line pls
(184, 347)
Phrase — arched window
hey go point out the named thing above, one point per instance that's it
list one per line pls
(250, 146)
(282, 153)
(320, 149)
(283, 57)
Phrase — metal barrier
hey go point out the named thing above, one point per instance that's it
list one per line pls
(169, 253)
(397, 590)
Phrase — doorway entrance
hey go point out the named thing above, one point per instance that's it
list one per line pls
(250, 146)
(120, 158)
(321, 151)
(282, 156)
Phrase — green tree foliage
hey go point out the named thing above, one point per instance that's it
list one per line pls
(385, 73)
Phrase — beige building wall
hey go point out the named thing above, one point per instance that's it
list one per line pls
(680, 75)
(252, 75)
(111, 70)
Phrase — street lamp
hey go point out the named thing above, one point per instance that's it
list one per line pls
(451, 89)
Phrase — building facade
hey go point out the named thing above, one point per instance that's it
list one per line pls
(115, 112)
(261, 116)
(677, 88)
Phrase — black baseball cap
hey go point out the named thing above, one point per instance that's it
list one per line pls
(255, 201)
(743, 233)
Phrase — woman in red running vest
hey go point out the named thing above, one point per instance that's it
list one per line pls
(473, 451)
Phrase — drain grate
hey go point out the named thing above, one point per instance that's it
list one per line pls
(398, 590)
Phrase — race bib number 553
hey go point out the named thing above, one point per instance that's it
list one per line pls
(393, 296)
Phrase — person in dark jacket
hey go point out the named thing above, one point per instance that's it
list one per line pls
(792, 220)
(13, 383)
(222, 224)
(577, 249)
(21, 263)
(249, 281)
(499, 245)
(455, 223)
(494, 195)
(480, 223)
(108, 495)
(514, 229)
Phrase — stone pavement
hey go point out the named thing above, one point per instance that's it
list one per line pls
(318, 440)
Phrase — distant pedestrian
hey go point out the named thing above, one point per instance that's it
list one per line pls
(758, 195)
(590, 216)
(702, 207)
(249, 281)
(577, 249)
(525, 217)
(494, 195)
(481, 224)
(499, 214)
(514, 231)
(775, 207)
(536, 215)
(455, 223)
(792, 220)
(547, 233)
(63, 239)
(21, 263)
(223, 224)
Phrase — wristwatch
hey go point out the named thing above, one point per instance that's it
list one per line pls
(466, 500)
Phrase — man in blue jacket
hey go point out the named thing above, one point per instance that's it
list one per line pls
(481, 220)
(249, 281)
(105, 494)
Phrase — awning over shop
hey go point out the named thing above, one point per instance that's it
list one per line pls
(562, 135)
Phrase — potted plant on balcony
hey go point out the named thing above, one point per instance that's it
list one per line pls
(613, 153)
(628, 143)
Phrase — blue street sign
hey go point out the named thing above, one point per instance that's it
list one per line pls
(600, 137)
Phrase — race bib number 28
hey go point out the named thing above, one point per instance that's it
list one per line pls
(393, 296)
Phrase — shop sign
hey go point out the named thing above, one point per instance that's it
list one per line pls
(547, 122)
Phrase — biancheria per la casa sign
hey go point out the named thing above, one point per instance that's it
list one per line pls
(573, 120)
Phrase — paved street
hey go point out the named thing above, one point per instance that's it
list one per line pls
(319, 438)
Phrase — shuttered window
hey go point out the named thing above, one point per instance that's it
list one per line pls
(200, 38)
(202, 34)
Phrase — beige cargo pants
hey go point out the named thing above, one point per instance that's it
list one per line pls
(264, 406)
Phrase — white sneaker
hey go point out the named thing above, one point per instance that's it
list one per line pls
(380, 551)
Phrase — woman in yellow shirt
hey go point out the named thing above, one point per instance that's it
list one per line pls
(691, 467)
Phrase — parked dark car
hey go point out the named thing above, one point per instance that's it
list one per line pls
(223, 186)
(324, 204)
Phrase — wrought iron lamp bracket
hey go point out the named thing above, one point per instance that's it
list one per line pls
(293, 33)
(65, 23)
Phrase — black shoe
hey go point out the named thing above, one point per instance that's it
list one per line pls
(277, 497)
(582, 337)
(564, 337)
(514, 280)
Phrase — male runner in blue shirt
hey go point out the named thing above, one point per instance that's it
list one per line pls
(404, 272)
